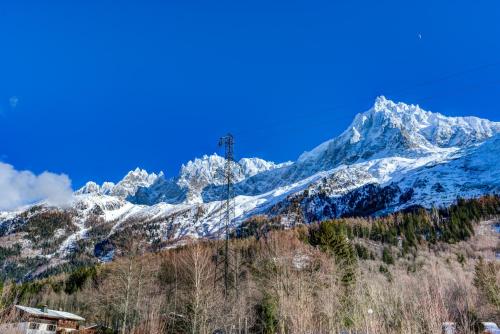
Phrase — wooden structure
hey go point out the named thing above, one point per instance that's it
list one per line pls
(98, 329)
(29, 320)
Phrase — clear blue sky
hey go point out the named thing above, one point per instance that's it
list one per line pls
(101, 87)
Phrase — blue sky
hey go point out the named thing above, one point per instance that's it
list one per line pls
(95, 88)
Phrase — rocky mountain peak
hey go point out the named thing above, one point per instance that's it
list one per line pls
(391, 157)
(126, 187)
(399, 129)
(89, 188)
(388, 130)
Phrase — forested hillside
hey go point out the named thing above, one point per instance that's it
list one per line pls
(405, 272)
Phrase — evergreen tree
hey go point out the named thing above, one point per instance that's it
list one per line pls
(486, 282)
(387, 256)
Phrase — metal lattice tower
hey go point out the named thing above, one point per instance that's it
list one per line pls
(228, 207)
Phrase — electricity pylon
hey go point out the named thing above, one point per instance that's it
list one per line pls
(228, 201)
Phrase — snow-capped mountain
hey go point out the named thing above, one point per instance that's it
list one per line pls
(194, 177)
(381, 146)
(398, 129)
(209, 171)
(126, 187)
(387, 130)
(392, 156)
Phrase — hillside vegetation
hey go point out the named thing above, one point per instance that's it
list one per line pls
(403, 273)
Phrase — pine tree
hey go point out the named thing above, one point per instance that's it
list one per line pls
(486, 282)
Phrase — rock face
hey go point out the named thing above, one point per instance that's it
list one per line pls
(391, 157)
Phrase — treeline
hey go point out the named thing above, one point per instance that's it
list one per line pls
(280, 283)
(451, 224)
(69, 283)
(406, 228)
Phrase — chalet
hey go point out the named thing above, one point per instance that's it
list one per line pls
(29, 320)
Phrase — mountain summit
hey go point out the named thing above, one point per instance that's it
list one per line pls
(127, 186)
(399, 129)
(391, 157)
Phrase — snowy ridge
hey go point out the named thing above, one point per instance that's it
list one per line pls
(195, 176)
(390, 128)
(126, 187)
(392, 156)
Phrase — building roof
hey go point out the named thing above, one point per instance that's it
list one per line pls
(50, 313)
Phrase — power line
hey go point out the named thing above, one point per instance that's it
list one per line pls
(446, 77)
(311, 119)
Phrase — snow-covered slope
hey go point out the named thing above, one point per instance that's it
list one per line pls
(386, 185)
(392, 156)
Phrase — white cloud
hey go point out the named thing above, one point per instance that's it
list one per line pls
(18, 188)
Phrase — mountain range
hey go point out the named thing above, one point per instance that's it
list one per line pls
(393, 156)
